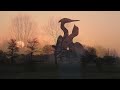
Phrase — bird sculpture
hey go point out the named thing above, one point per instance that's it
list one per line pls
(63, 21)
(66, 41)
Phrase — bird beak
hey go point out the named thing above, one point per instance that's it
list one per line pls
(74, 20)
(59, 21)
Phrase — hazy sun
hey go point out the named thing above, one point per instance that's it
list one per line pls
(20, 44)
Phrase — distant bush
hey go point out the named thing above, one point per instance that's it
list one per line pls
(90, 55)
(109, 60)
(13, 49)
(47, 49)
(2, 56)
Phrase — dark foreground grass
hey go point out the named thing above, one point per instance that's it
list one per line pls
(60, 71)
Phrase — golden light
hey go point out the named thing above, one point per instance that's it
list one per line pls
(20, 44)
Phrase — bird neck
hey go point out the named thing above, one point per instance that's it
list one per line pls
(64, 29)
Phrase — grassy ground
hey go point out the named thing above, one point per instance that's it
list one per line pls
(61, 71)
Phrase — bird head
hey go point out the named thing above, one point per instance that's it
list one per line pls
(67, 20)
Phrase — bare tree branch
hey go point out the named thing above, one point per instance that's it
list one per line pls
(22, 28)
(53, 29)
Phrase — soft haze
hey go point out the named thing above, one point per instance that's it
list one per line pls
(96, 27)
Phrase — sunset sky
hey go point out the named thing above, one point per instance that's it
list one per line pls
(96, 27)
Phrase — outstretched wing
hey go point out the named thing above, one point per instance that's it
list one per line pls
(75, 31)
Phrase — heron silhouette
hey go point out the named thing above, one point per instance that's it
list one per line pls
(67, 40)
(63, 21)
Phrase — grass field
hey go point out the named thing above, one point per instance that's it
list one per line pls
(60, 71)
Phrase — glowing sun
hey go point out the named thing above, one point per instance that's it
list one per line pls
(20, 44)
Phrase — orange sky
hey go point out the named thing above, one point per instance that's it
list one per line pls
(96, 27)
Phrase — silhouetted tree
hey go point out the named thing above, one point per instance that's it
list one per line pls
(2, 56)
(22, 28)
(91, 54)
(53, 29)
(32, 46)
(101, 51)
(47, 49)
(110, 56)
(111, 52)
(13, 49)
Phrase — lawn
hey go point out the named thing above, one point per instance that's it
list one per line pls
(60, 71)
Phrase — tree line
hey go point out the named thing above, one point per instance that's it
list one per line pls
(43, 54)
